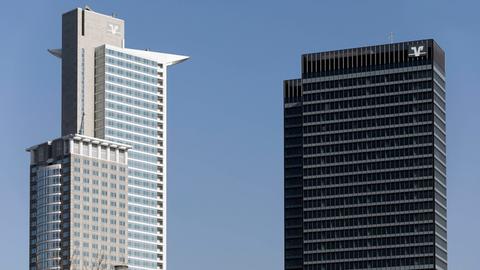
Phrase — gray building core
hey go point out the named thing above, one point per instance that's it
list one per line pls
(82, 31)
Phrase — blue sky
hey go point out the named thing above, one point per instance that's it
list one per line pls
(225, 111)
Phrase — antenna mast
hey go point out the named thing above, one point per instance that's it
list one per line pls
(390, 37)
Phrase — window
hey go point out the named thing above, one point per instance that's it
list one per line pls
(103, 152)
(85, 149)
(95, 153)
(113, 154)
(76, 147)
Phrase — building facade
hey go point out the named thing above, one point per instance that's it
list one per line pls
(119, 95)
(365, 159)
(78, 204)
(130, 108)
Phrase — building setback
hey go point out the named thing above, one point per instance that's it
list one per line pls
(78, 204)
(119, 95)
(365, 159)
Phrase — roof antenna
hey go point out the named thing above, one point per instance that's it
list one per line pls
(390, 37)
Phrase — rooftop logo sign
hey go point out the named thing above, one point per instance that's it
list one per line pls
(114, 29)
(417, 51)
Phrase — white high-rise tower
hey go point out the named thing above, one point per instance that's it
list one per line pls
(119, 95)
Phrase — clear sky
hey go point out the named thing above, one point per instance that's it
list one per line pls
(225, 111)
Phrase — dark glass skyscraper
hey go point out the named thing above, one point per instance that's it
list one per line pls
(365, 162)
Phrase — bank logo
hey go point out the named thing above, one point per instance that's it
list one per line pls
(114, 29)
(417, 51)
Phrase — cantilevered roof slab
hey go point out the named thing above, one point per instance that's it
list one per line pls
(164, 58)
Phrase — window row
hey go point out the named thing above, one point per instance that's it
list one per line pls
(369, 123)
(132, 110)
(132, 101)
(369, 156)
(130, 74)
(131, 83)
(416, 129)
(316, 101)
(372, 166)
(362, 81)
(380, 143)
(361, 200)
(425, 94)
(131, 137)
(397, 208)
(153, 123)
(407, 174)
(370, 221)
(326, 247)
(371, 112)
(419, 263)
(132, 92)
(131, 57)
(129, 65)
(133, 128)
(424, 250)
(325, 235)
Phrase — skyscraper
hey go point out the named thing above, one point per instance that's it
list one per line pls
(365, 159)
(119, 95)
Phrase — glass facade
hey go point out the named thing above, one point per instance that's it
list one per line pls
(45, 217)
(129, 109)
(365, 181)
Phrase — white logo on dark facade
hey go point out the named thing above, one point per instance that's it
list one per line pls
(112, 28)
(417, 51)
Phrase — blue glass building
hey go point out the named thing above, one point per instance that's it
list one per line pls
(130, 108)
